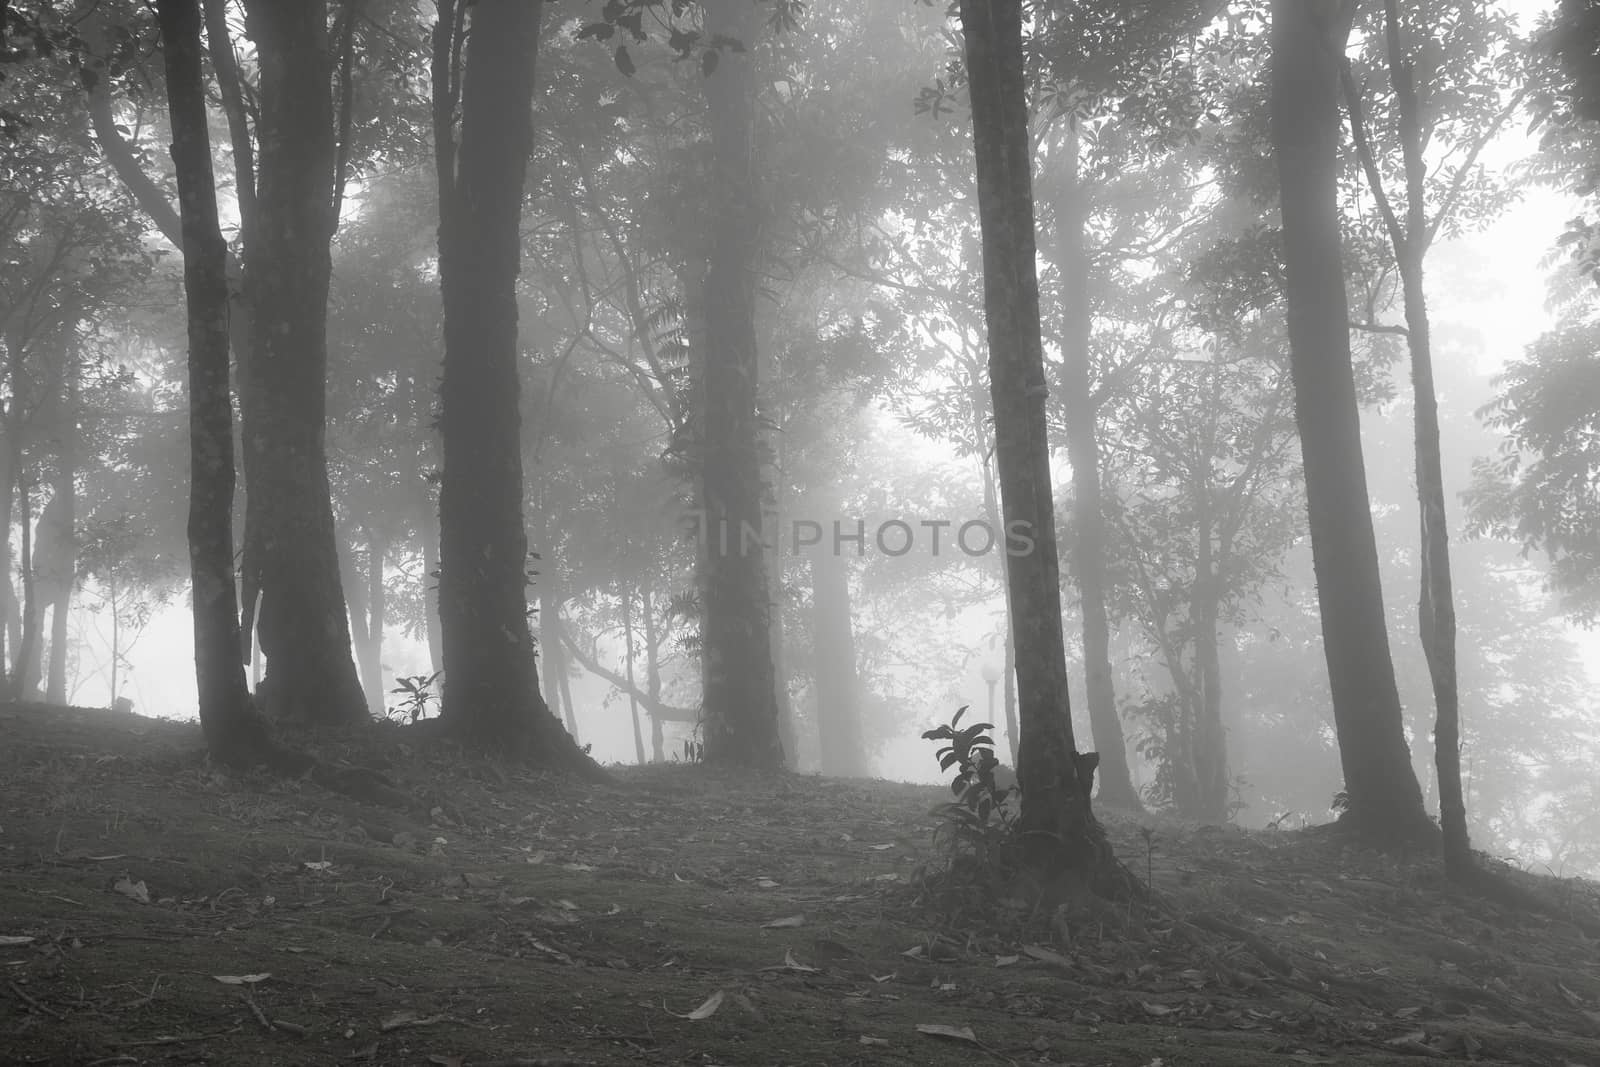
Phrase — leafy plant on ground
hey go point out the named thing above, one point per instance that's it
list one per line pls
(976, 830)
(415, 693)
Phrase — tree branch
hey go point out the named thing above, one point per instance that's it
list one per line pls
(590, 662)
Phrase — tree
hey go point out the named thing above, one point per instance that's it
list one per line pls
(740, 697)
(291, 553)
(1412, 54)
(1060, 832)
(491, 688)
(1382, 798)
(833, 674)
(234, 733)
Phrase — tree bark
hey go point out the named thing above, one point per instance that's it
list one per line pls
(652, 674)
(1210, 738)
(24, 674)
(633, 688)
(62, 573)
(1382, 797)
(740, 689)
(234, 732)
(491, 691)
(1436, 603)
(1060, 831)
(834, 667)
(304, 629)
(1088, 555)
(374, 608)
(555, 660)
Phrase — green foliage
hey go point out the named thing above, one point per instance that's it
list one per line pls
(1541, 490)
(415, 693)
(978, 828)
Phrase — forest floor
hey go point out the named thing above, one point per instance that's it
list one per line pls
(156, 910)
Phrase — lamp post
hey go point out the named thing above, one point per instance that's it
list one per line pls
(991, 675)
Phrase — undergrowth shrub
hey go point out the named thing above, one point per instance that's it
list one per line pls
(976, 834)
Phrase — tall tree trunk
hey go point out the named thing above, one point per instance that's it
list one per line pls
(652, 675)
(633, 690)
(1210, 739)
(377, 611)
(740, 690)
(1059, 828)
(491, 692)
(428, 530)
(1381, 791)
(10, 610)
(24, 674)
(62, 532)
(1436, 605)
(234, 732)
(50, 552)
(833, 669)
(1088, 556)
(304, 630)
(788, 732)
(555, 659)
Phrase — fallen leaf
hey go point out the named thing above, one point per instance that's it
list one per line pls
(882, 978)
(880, 848)
(402, 1019)
(785, 922)
(793, 964)
(1046, 955)
(132, 890)
(1006, 961)
(865, 1040)
(706, 1010)
(953, 1033)
(1157, 1010)
(241, 979)
(317, 865)
(15, 939)
(766, 883)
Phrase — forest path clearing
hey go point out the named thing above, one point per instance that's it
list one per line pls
(155, 910)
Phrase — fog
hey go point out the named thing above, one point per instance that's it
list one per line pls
(876, 449)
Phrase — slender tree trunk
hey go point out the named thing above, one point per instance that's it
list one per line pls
(740, 689)
(555, 658)
(428, 528)
(1211, 740)
(234, 733)
(652, 669)
(491, 693)
(788, 735)
(1059, 828)
(304, 629)
(1436, 605)
(1088, 556)
(633, 690)
(10, 610)
(24, 675)
(377, 612)
(834, 668)
(1382, 796)
(63, 573)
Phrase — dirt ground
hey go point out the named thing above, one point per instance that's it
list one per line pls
(156, 910)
